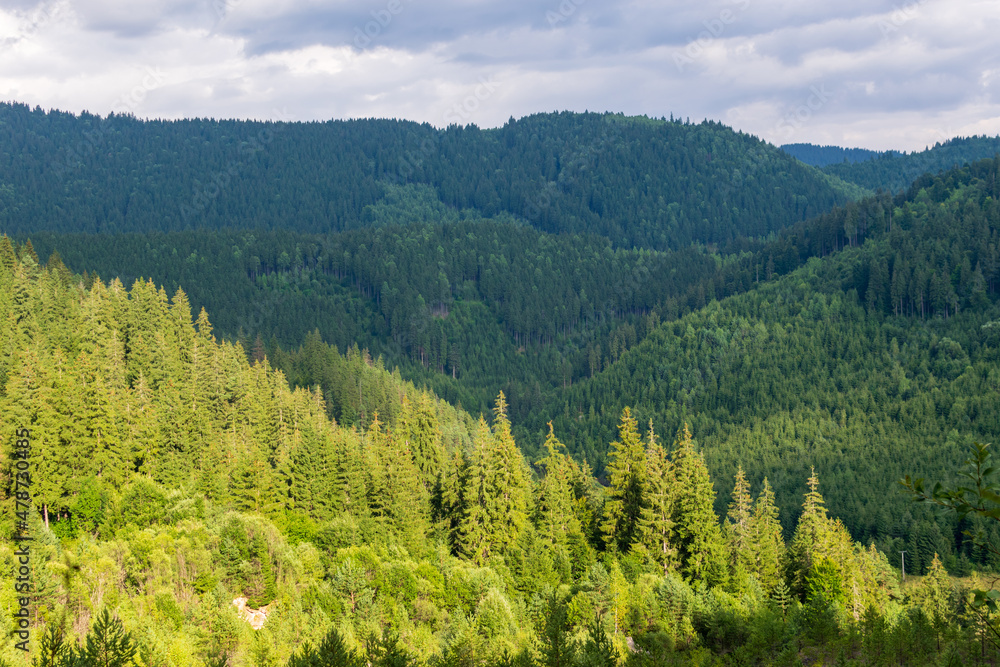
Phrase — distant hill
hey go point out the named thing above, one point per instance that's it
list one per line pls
(821, 156)
(874, 358)
(639, 182)
(894, 171)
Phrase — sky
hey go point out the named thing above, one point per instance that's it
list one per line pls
(860, 73)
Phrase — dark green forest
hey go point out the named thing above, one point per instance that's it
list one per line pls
(821, 156)
(581, 390)
(637, 181)
(177, 483)
(894, 171)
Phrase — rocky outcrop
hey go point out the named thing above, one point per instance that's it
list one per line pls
(255, 617)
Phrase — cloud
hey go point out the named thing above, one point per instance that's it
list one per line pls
(894, 75)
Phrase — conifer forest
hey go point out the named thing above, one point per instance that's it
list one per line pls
(584, 390)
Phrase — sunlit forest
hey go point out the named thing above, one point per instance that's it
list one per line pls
(441, 426)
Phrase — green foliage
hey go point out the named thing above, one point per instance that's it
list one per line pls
(176, 473)
(331, 652)
(894, 171)
(107, 644)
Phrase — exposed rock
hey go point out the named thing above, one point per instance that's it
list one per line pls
(255, 617)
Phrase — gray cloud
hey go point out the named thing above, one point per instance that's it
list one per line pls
(892, 74)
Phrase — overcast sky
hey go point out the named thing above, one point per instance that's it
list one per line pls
(869, 73)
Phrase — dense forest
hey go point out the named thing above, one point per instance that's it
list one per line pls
(821, 156)
(580, 390)
(179, 486)
(637, 181)
(895, 171)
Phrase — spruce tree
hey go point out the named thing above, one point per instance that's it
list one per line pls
(655, 535)
(810, 535)
(700, 543)
(934, 597)
(421, 434)
(627, 479)
(554, 515)
(739, 529)
(474, 531)
(768, 545)
(331, 652)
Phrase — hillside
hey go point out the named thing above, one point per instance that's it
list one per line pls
(177, 486)
(636, 181)
(893, 171)
(873, 359)
(821, 156)
(462, 305)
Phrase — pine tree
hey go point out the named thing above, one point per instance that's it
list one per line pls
(108, 644)
(54, 651)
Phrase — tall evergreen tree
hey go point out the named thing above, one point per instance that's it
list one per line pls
(768, 544)
(700, 544)
(554, 515)
(655, 535)
(627, 478)
(739, 528)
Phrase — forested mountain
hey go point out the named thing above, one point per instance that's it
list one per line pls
(375, 282)
(878, 359)
(177, 484)
(460, 305)
(894, 171)
(636, 181)
(821, 156)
